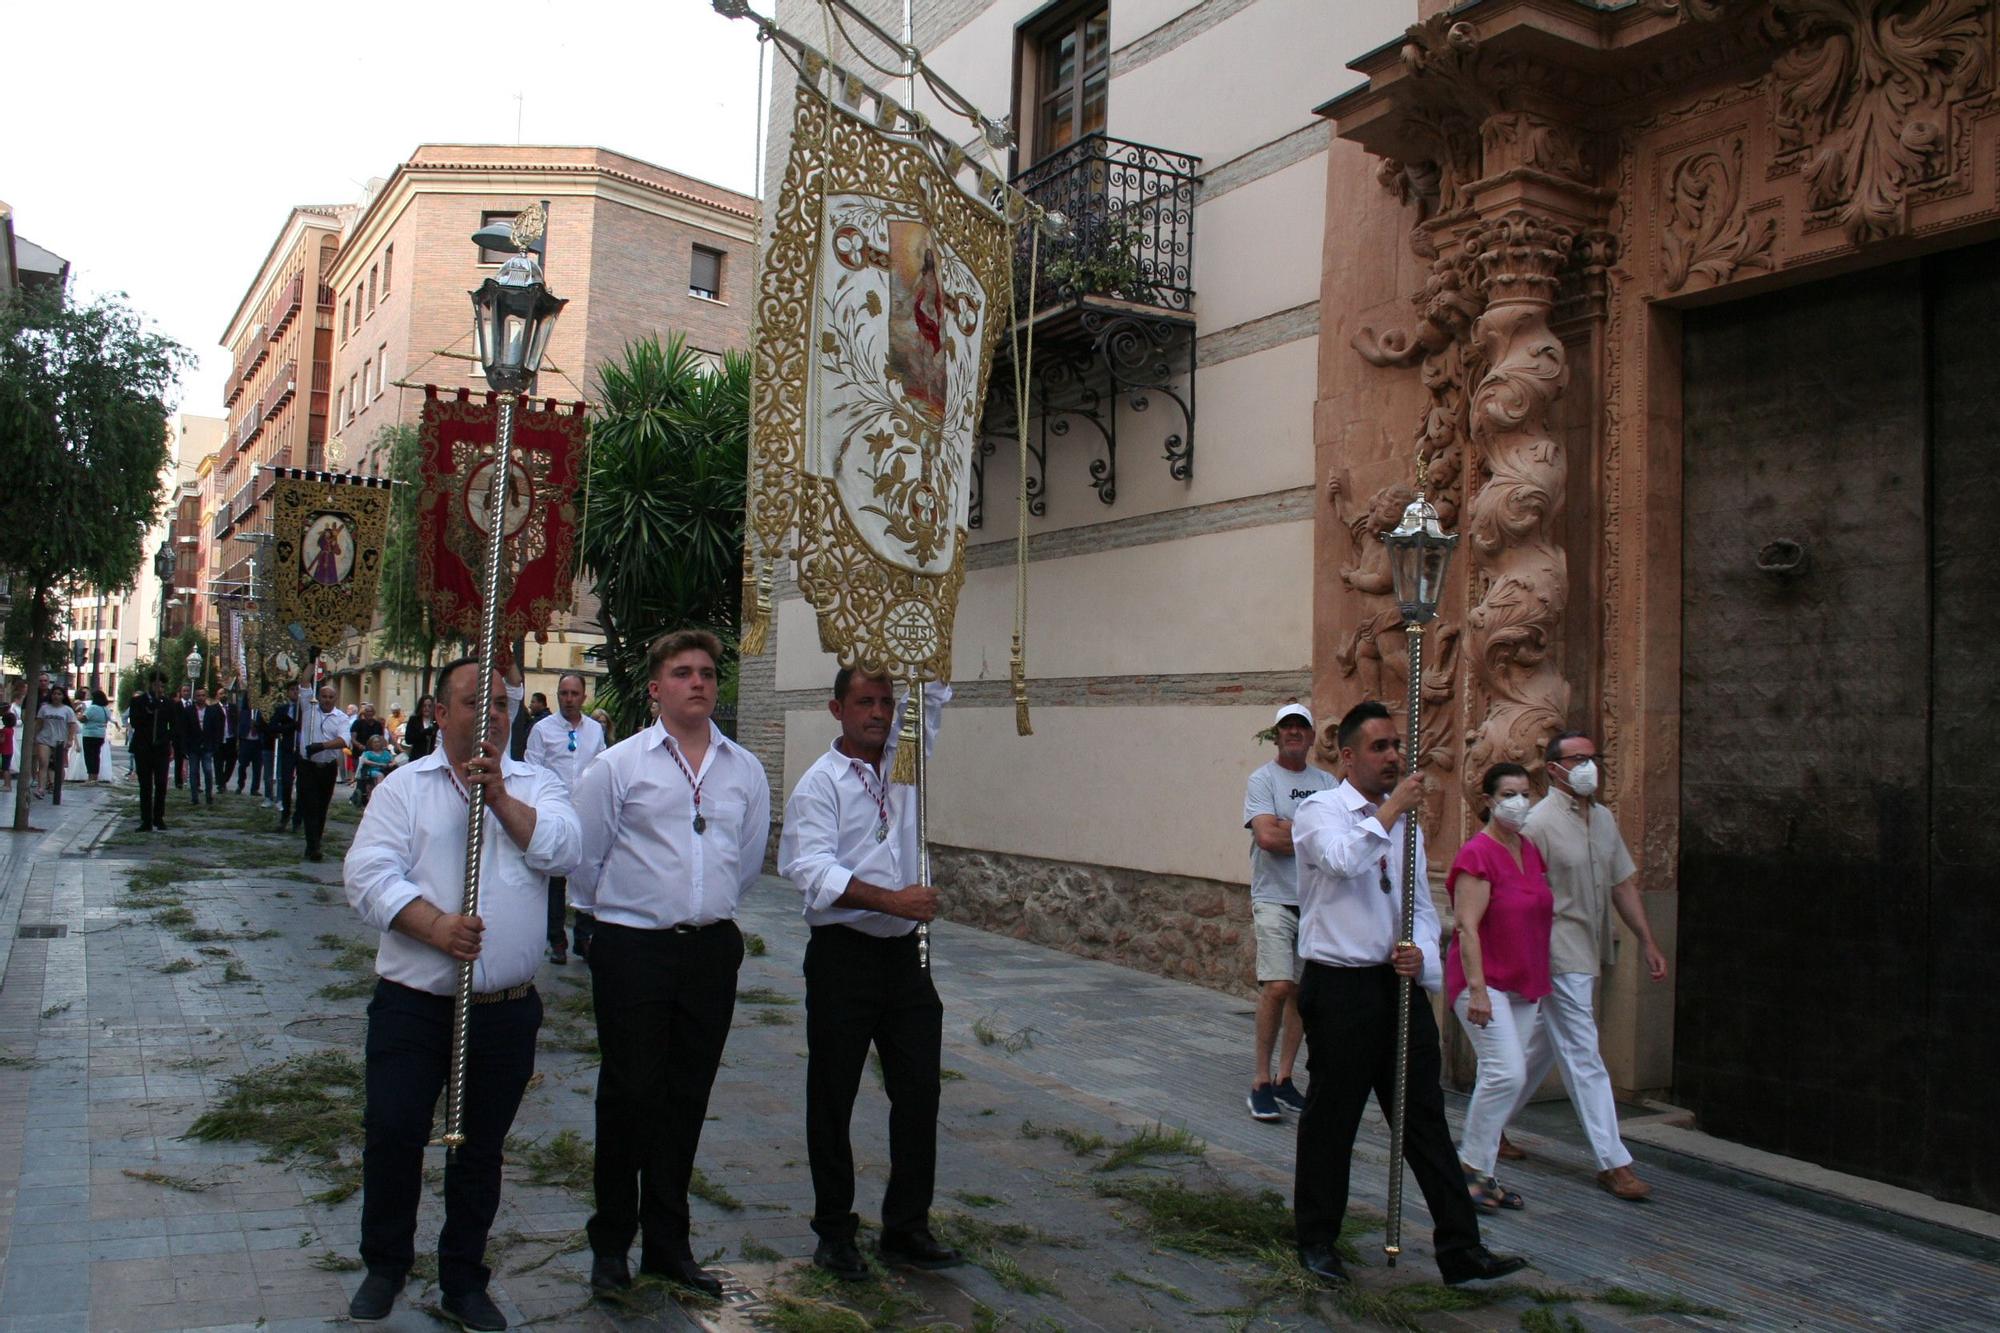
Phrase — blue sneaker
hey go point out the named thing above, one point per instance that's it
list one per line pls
(1288, 1095)
(1263, 1105)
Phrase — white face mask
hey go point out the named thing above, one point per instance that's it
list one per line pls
(1583, 778)
(1512, 811)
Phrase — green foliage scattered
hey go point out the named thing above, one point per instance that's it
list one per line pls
(178, 965)
(701, 1187)
(562, 1161)
(764, 995)
(1150, 1141)
(1080, 1142)
(1219, 1221)
(305, 1111)
(753, 944)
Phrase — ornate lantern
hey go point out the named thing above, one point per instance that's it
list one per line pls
(513, 315)
(1419, 554)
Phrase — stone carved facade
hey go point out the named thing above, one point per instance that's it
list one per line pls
(1621, 163)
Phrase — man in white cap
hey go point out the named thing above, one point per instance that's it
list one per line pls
(1274, 792)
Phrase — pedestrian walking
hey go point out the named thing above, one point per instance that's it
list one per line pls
(282, 735)
(1273, 794)
(1349, 844)
(150, 737)
(210, 723)
(323, 740)
(405, 876)
(564, 743)
(251, 761)
(10, 724)
(1590, 871)
(225, 748)
(55, 722)
(850, 847)
(675, 821)
(96, 719)
(1497, 969)
(187, 732)
(420, 732)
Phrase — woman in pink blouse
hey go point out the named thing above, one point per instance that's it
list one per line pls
(1497, 967)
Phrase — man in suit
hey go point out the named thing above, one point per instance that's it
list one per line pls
(281, 733)
(225, 749)
(247, 720)
(211, 724)
(150, 737)
(184, 725)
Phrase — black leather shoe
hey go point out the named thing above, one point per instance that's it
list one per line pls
(475, 1310)
(608, 1272)
(1326, 1266)
(373, 1298)
(686, 1273)
(842, 1259)
(1477, 1264)
(918, 1250)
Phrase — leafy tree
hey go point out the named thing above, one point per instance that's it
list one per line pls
(83, 441)
(663, 521)
(173, 665)
(406, 626)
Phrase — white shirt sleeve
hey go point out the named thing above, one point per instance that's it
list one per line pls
(756, 826)
(1324, 836)
(377, 869)
(537, 750)
(557, 842)
(808, 850)
(599, 793)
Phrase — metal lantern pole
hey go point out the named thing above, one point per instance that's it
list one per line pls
(1419, 551)
(912, 736)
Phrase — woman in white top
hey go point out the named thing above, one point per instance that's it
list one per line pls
(54, 723)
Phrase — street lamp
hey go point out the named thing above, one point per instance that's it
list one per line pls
(1419, 554)
(193, 665)
(513, 315)
(163, 569)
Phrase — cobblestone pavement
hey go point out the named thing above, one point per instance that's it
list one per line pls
(185, 960)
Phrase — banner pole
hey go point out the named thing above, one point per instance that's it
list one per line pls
(475, 826)
(916, 707)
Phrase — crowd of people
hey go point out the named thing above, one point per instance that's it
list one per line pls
(58, 738)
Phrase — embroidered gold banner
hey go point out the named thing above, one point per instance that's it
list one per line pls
(326, 553)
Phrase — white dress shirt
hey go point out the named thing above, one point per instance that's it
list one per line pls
(550, 747)
(1345, 920)
(643, 864)
(411, 844)
(831, 822)
(317, 727)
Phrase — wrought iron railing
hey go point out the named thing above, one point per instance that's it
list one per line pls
(1130, 215)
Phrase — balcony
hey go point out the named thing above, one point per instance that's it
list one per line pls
(286, 306)
(1112, 307)
(283, 385)
(247, 429)
(245, 499)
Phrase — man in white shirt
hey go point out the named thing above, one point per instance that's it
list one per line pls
(406, 877)
(1349, 845)
(323, 741)
(1590, 871)
(675, 820)
(564, 743)
(1269, 801)
(850, 846)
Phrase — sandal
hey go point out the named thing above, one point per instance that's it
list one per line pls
(1488, 1194)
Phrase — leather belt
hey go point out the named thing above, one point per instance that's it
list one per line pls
(520, 992)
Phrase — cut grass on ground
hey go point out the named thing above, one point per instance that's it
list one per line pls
(701, 1187)
(562, 1161)
(1150, 1141)
(165, 1180)
(1020, 1039)
(1216, 1221)
(1080, 1142)
(763, 995)
(305, 1112)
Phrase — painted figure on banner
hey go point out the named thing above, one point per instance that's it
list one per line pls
(917, 348)
(329, 549)
(520, 497)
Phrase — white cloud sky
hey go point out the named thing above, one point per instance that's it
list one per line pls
(159, 148)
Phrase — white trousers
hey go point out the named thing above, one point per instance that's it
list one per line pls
(1502, 1048)
(1567, 1038)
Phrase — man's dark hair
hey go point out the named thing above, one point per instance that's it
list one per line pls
(158, 675)
(1368, 710)
(845, 677)
(444, 673)
(577, 676)
(1555, 747)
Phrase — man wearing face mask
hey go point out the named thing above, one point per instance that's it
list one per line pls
(1589, 869)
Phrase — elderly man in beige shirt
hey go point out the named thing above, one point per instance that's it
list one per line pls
(1589, 870)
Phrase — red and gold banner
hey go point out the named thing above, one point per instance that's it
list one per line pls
(457, 441)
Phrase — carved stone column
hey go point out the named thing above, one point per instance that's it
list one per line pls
(1519, 572)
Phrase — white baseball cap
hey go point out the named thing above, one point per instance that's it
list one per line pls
(1299, 711)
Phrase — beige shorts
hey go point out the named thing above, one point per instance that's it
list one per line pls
(1277, 929)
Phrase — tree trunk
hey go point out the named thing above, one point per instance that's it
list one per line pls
(31, 667)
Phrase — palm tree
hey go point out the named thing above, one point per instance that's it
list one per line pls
(663, 518)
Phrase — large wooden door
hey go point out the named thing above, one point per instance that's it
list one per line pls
(1838, 747)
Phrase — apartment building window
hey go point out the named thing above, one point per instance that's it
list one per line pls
(486, 219)
(340, 406)
(1065, 76)
(381, 368)
(705, 273)
(114, 617)
(368, 379)
(343, 321)
(372, 272)
(353, 402)
(388, 266)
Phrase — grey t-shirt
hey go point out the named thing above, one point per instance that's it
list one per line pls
(1277, 790)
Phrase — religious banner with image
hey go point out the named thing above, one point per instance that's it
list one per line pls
(456, 444)
(884, 292)
(326, 553)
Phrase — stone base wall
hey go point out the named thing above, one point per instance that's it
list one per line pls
(1176, 926)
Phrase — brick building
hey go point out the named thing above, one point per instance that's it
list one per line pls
(636, 249)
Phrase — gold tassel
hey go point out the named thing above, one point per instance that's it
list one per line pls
(904, 769)
(756, 609)
(1017, 670)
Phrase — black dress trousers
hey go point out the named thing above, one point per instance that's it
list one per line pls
(409, 1061)
(664, 1001)
(864, 990)
(1350, 1023)
(151, 763)
(316, 782)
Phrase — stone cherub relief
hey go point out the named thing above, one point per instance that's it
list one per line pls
(1375, 654)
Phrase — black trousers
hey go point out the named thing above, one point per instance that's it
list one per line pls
(581, 931)
(151, 764)
(93, 747)
(664, 1000)
(558, 913)
(250, 766)
(315, 794)
(1350, 1023)
(863, 990)
(288, 763)
(225, 762)
(408, 1062)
